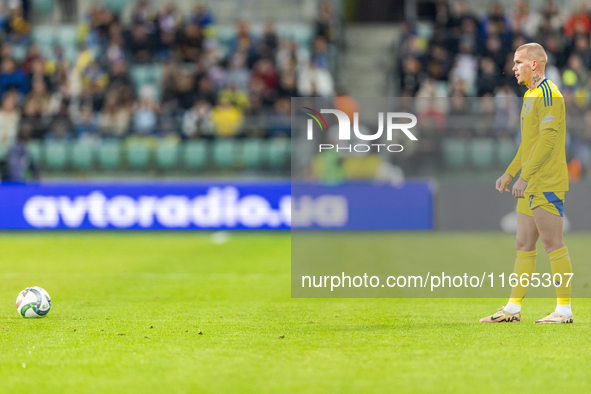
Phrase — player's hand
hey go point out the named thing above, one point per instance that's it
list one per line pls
(519, 188)
(503, 182)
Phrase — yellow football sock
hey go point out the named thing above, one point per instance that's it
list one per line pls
(525, 263)
(560, 264)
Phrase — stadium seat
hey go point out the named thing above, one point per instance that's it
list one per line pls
(195, 154)
(223, 153)
(109, 154)
(225, 34)
(56, 154)
(43, 7)
(251, 152)
(34, 149)
(302, 35)
(138, 154)
(43, 35)
(279, 152)
(116, 5)
(482, 152)
(68, 36)
(19, 52)
(167, 154)
(147, 75)
(455, 152)
(506, 150)
(82, 155)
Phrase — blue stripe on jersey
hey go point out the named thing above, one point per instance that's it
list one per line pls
(545, 94)
(549, 91)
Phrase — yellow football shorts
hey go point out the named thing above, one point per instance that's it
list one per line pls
(552, 202)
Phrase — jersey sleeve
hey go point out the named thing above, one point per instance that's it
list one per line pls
(549, 115)
(515, 165)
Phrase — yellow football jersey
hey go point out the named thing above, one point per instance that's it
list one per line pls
(542, 153)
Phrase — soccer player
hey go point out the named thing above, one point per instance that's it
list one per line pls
(541, 188)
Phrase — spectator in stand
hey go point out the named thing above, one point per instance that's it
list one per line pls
(115, 117)
(266, 72)
(37, 73)
(289, 56)
(575, 74)
(33, 53)
(439, 63)
(168, 87)
(287, 86)
(116, 49)
(579, 22)
(581, 49)
(3, 19)
(238, 74)
(244, 42)
(9, 119)
(496, 22)
(141, 44)
(190, 42)
(555, 53)
(206, 91)
(411, 75)
(326, 22)
(11, 78)
(41, 96)
(525, 20)
(201, 16)
(488, 77)
(17, 25)
(119, 75)
(31, 117)
(86, 125)
(145, 114)
(166, 31)
(269, 42)
(184, 90)
(320, 52)
(20, 164)
(226, 119)
(61, 126)
(237, 98)
(494, 51)
(197, 121)
(95, 79)
(141, 15)
(314, 81)
(466, 67)
(280, 120)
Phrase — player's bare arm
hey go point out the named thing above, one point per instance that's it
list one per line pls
(519, 188)
(503, 182)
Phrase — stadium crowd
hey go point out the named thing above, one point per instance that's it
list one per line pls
(461, 55)
(162, 74)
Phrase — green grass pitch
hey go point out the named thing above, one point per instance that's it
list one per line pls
(174, 313)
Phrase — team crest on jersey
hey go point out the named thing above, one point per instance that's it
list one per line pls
(527, 106)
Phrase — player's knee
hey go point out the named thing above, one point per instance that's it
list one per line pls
(552, 245)
(524, 244)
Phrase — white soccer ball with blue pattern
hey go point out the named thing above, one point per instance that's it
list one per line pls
(33, 302)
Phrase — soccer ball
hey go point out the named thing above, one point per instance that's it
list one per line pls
(33, 302)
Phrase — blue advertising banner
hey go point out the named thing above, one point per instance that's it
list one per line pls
(213, 205)
(363, 206)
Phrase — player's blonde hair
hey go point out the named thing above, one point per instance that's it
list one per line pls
(534, 51)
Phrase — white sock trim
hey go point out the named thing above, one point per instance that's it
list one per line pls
(564, 310)
(512, 308)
